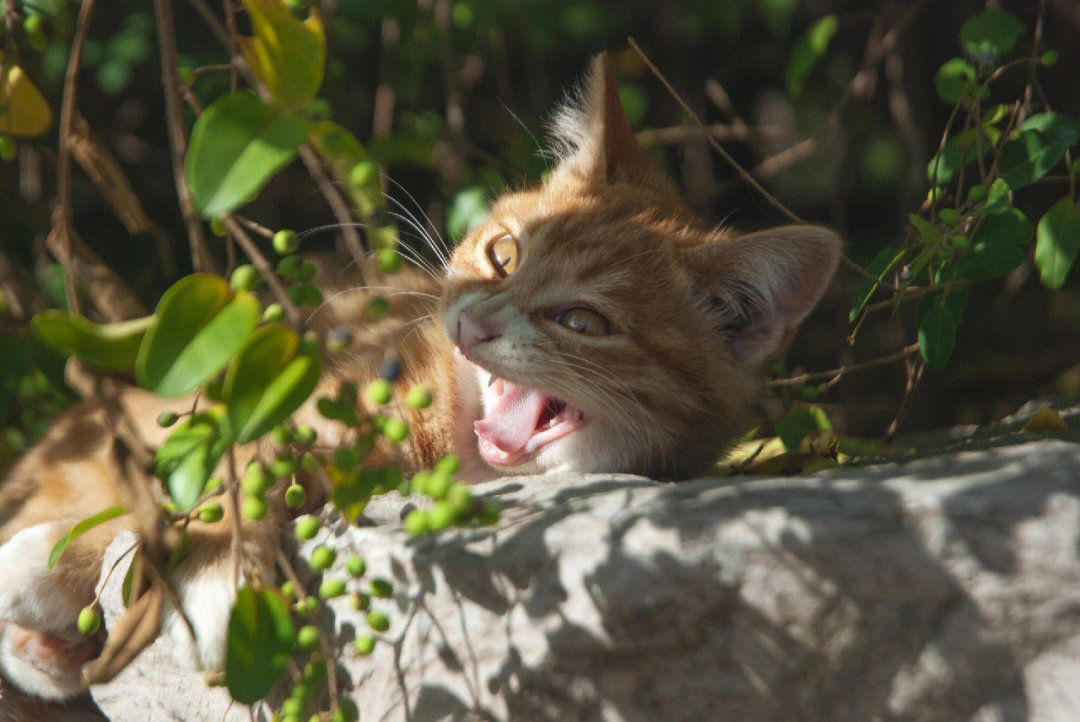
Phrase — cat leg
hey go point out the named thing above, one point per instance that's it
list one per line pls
(41, 652)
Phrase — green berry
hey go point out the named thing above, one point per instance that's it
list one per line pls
(245, 277)
(217, 226)
(1050, 57)
(254, 507)
(288, 590)
(489, 512)
(359, 602)
(307, 638)
(322, 557)
(281, 434)
(274, 313)
(7, 148)
(441, 516)
(415, 522)
(309, 295)
(363, 174)
(960, 241)
(315, 671)
(460, 498)
(286, 242)
(346, 458)
(308, 606)
(295, 496)
(213, 484)
(339, 339)
(380, 391)
(388, 260)
(976, 193)
(310, 463)
(88, 621)
(378, 620)
(378, 307)
(284, 466)
(256, 480)
(438, 485)
(346, 711)
(292, 707)
(333, 587)
(289, 266)
(449, 464)
(186, 75)
(382, 588)
(305, 435)
(167, 418)
(300, 690)
(395, 430)
(364, 644)
(32, 24)
(211, 512)
(306, 272)
(306, 527)
(419, 397)
(949, 216)
(356, 566)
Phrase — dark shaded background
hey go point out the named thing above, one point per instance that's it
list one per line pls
(453, 97)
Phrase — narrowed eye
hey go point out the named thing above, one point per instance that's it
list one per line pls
(503, 253)
(585, 321)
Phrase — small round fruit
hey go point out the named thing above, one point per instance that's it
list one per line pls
(295, 496)
(378, 307)
(489, 512)
(346, 711)
(210, 513)
(395, 430)
(288, 589)
(1050, 57)
(380, 391)
(415, 522)
(305, 434)
(356, 566)
(388, 260)
(449, 464)
(460, 498)
(284, 466)
(286, 241)
(441, 516)
(308, 606)
(438, 485)
(382, 588)
(167, 418)
(293, 707)
(949, 216)
(419, 397)
(274, 313)
(315, 670)
(339, 339)
(289, 266)
(256, 480)
(306, 527)
(332, 587)
(306, 272)
(186, 75)
(88, 621)
(322, 557)
(217, 226)
(364, 644)
(362, 174)
(390, 369)
(378, 620)
(254, 507)
(307, 638)
(360, 602)
(245, 278)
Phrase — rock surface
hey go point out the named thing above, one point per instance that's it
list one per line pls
(946, 588)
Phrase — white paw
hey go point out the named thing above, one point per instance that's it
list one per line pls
(29, 596)
(42, 664)
(207, 598)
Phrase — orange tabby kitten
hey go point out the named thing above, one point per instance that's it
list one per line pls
(591, 324)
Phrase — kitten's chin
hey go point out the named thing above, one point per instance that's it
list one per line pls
(520, 422)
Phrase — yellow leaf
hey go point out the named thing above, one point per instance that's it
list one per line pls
(287, 54)
(1044, 420)
(23, 109)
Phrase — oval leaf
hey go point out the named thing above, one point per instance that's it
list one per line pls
(287, 54)
(200, 324)
(237, 145)
(955, 82)
(996, 247)
(81, 528)
(799, 422)
(1057, 241)
(23, 109)
(189, 456)
(1040, 144)
(111, 345)
(937, 335)
(260, 640)
(990, 34)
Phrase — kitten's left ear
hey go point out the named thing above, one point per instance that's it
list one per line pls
(760, 286)
(601, 144)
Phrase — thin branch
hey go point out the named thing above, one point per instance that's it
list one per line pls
(244, 240)
(201, 260)
(834, 375)
(338, 206)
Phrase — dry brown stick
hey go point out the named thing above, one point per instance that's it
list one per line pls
(338, 206)
(688, 133)
(834, 375)
(62, 218)
(201, 260)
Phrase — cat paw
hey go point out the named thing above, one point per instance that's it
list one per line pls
(29, 595)
(42, 664)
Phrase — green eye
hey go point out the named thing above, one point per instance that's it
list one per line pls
(585, 321)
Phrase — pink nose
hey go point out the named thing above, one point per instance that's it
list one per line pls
(472, 331)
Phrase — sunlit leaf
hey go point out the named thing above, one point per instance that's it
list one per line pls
(1040, 144)
(200, 323)
(287, 54)
(260, 641)
(268, 380)
(237, 145)
(991, 34)
(808, 50)
(799, 422)
(1057, 241)
(188, 457)
(81, 528)
(23, 109)
(956, 82)
(110, 345)
(958, 151)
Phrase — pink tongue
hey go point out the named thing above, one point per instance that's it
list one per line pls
(511, 422)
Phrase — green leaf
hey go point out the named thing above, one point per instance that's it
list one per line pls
(268, 380)
(343, 153)
(991, 34)
(883, 262)
(956, 82)
(958, 151)
(799, 422)
(937, 328)
(111, 345)
(200, 324)
(81, 528)
(996, 246)
(1057, 241)
(468, 208)
(1040, 144)
(260, 641)
(189, 456)
(287, 54)
(237, 145)
(808, 50)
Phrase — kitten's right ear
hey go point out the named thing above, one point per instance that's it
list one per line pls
(760, 286)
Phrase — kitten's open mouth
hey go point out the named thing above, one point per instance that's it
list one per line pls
(521, 421)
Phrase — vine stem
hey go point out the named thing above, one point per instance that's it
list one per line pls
(201, 259)
(834, 375)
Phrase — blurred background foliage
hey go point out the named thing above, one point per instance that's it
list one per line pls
(830, 103)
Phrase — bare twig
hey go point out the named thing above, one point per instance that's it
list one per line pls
(338, 206)
(834, 375)
(201, 259)
(237, 231)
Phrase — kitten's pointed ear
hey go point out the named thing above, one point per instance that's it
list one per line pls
(760, 286)
(596, 133)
